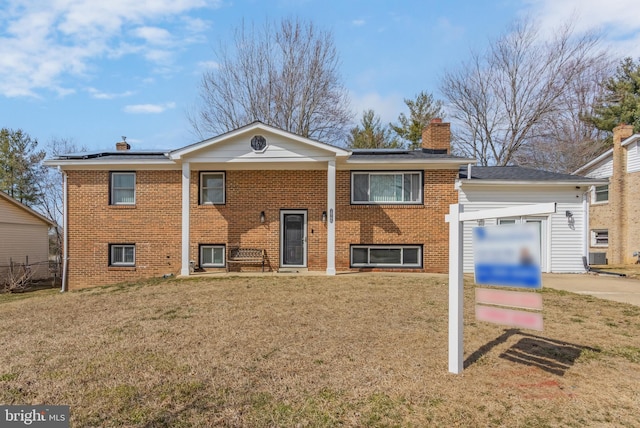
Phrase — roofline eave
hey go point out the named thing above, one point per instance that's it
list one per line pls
(477, 182)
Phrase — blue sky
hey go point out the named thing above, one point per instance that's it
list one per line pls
(92, 72)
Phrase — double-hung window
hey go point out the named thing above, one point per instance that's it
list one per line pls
(123, 188)
(408, 256)
(386, 187)
(122, 255)
(601, 193)
(212, 188)
(212, 255)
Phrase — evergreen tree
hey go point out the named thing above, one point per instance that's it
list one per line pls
(371, 134)
(421, 110)
(620, 102)
(20, 166)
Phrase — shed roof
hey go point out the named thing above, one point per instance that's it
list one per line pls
(6, 197)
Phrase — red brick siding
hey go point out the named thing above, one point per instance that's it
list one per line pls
(398, 224)
(153, 224)
(250, 192)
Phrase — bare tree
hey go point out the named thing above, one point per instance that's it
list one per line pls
(567, 138)
(285, 75)
(503, 99)
(17, 278)
(50, 202)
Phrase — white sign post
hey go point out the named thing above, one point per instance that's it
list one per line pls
(455, 218)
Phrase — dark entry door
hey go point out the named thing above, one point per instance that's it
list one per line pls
(294, 238)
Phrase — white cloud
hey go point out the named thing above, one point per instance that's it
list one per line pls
(99, 95)
(358, 22)
(208, 65)
(388, 107)
(44, 43)
(149, 108)
(617, 19)
(153, 35)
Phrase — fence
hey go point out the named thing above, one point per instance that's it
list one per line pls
(17, 276)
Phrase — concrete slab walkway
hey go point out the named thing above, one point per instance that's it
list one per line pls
(602, 286)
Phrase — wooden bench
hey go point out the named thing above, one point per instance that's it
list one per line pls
(238, 255)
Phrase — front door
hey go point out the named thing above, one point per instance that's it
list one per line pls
(293, 238)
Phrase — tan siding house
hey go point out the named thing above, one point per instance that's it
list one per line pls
(24, 236)
(613, 226)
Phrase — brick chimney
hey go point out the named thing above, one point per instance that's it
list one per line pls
(618, 198)
(123, 146)
(436, 137)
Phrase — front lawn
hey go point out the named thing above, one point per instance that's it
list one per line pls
(350, 350)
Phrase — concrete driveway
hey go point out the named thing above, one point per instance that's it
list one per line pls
(603, 286)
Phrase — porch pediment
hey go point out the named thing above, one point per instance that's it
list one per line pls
(258, 143)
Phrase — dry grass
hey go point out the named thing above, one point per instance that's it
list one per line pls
(351, 350)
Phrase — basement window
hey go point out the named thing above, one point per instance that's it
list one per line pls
(409, 256)
(600, 238)
(122, 255)
(212, 255)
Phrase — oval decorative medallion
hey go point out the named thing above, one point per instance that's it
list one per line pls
(259, 143)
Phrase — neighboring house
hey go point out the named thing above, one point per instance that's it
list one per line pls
(614, 231)
(24, 237)
(310, 205)
(563, 234)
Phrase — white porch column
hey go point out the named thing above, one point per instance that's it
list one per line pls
(186, 176)
(331, 218)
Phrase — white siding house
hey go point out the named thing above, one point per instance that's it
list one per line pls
(563, 234)
(25, 235)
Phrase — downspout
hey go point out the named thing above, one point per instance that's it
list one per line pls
(585, 227)
(65, 233)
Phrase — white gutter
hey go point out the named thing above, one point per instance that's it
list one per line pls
(505, 182)
(65, 232)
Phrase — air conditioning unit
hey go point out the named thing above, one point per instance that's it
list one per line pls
(597, 258)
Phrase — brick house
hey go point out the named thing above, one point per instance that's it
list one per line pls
(614, 234)
(309, 205)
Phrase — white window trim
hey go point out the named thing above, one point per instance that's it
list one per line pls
(370, 173)
(113, 187)
(387, 247)
(224, 252)
(224, 188)
(593, 195)
(124, 264)
(594, 240)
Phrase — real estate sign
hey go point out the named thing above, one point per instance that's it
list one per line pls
(507, 255)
